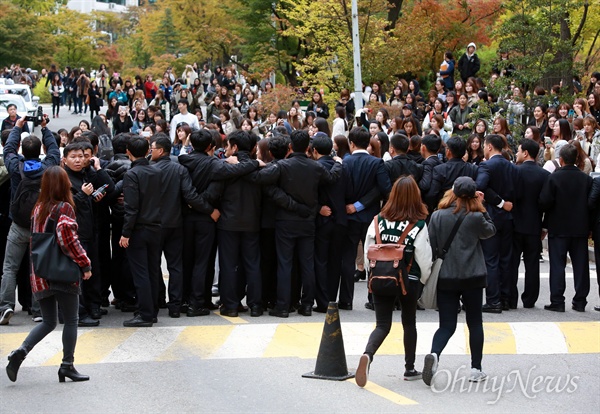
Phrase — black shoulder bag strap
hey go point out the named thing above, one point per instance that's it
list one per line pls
(53, 219)
(451, 237)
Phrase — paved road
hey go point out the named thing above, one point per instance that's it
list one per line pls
(537, 361)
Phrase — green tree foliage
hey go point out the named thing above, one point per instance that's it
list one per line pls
(544, 39)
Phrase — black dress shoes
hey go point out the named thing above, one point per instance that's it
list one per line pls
(211, 306)
(197, 312)
(15, 359)
(87, 321)
(256, 311)
(241, 308)
(555, 307)
(319, 310)
(597, 308)
(487, 308)
(231, 313)
(279, 313)
(505, 305)
(137, 322)
(174, 313)
(126, 307)
(369, 305)
(360, 275)
(578, 308)
(95, 313)
(69, 371)
(345, 305)
(305, 310)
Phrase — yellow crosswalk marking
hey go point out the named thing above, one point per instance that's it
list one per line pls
(387, 394)
(200, 341)
(299, 340)
(581, 337)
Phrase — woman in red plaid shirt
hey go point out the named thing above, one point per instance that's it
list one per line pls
(55, 197)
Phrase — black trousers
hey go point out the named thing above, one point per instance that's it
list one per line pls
(144, 256)
(448, 301)
(104, 252)
(356, 232)
(199, 238)
(171, 245)
(530, 246)
(91, 288)
(121, 279)
(239, 253)
(295, 237)
(328, 262)
(268, 265)
(384, 310)
(577, 247)
(497, 251)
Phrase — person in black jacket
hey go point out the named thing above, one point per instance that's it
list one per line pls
(207, 173)
(498, 175)
(331, 225)
(469, 64)
(400, 164)
(238, 231)
(594, 205)
(445, 174)
(299, 177)
(430, 146)
(142, 191)
(564, 199)
(85, 179)
(527, 216)
(177, 186)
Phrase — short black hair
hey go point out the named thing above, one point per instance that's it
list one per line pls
(432, 142)
(138, 146)
(161, 140)
(457, 147)
(300, 140)
(568, 153)
(75, 146)
(12, 105)
(5, 135)
(201, 140)
(278, 146)
(400, 143)
(360, 137)
(92, 136)
(241, 139)
(532, 147)
(184, 101)
(322, 144)
(119, 143)
(31, 147)
(495, 141)
(86, 145)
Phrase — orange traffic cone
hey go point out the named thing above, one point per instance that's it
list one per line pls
(331, 360)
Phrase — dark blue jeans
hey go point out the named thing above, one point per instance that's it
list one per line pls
(448, 302)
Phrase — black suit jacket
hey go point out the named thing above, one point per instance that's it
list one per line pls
(564, 198)
(499, 175)
(594, 200)
(527, 213)
(332, 196)
(444, 176)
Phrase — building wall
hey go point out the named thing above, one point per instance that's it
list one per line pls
(87, 6)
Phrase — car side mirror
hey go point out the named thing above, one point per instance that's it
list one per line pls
(36, 99)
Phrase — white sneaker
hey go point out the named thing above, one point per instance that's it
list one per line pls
(429, 368)
(37, 318)
(362, 372)
(477, 375)
(5, 316)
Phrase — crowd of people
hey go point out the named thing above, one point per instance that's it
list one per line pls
(276, 207)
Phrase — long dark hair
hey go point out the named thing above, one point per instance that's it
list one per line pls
(405, 202)
(55, 188)
(341, 141)
(100, 127)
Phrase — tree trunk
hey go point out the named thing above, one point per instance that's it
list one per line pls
(393, 13)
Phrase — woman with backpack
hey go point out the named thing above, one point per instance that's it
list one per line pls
(403, 210)
(55, 201)
(463, 272)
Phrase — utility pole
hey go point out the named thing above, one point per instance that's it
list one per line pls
(358, 99)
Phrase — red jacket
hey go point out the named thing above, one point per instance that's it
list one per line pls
(149, 87)
(66, 235)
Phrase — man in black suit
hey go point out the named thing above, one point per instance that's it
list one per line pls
(400, 164)
(445, 174)
(527, 216)
(364, 173)
(430, 146)
(331, 226)
(564, 198)
(498, 175)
